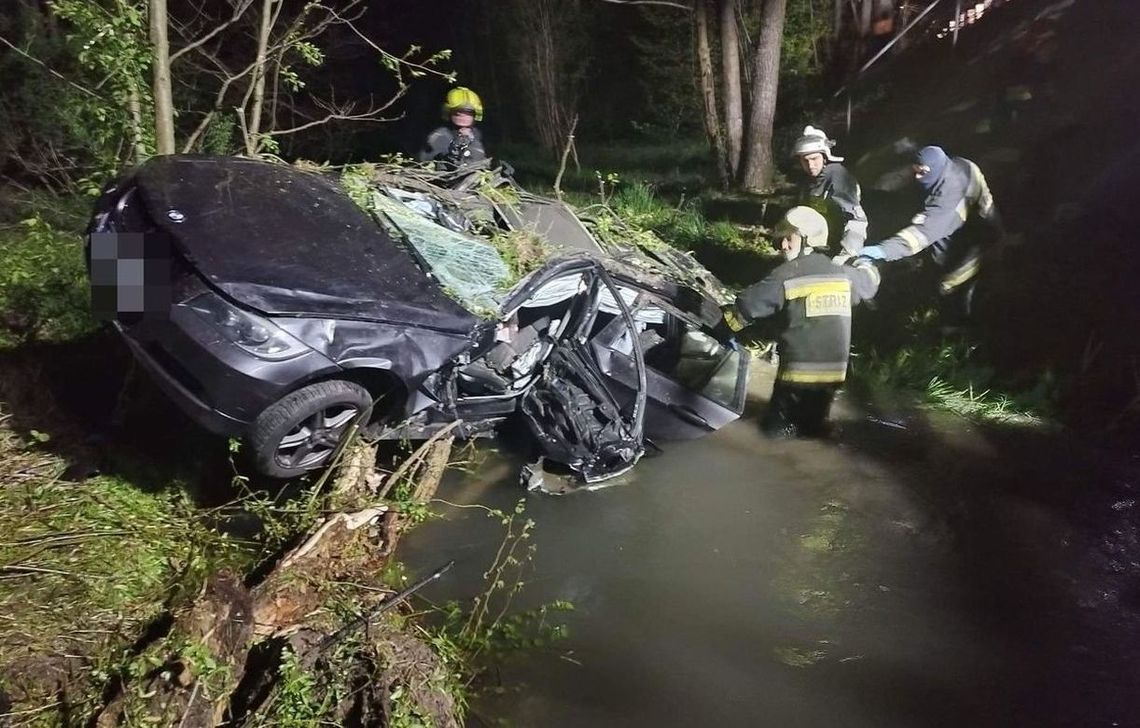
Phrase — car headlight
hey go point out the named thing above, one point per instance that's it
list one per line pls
(253, 333)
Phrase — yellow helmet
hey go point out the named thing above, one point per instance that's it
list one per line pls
(460, 98)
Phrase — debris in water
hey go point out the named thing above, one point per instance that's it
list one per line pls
(531, 476)
(886, 423)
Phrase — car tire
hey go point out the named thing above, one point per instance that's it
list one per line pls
(300, 432)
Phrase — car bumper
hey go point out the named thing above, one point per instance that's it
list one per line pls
(216, 383)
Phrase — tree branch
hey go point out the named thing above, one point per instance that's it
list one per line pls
(345, 112)
(565, 154)
(239, 10)
(397, 59)
(48, 68)
(665, 3)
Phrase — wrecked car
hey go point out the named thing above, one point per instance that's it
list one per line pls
(271, 306)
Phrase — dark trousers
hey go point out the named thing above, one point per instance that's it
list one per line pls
(959, 260)
(798, 411)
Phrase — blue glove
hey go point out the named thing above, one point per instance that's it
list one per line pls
(874, 252)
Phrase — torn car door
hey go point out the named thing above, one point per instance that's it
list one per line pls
(571, 411)
(694, 384)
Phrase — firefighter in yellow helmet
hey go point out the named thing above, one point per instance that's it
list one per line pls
(458, 143)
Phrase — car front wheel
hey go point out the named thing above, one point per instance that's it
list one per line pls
(302, 430)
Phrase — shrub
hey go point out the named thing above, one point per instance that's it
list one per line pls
(43, 285)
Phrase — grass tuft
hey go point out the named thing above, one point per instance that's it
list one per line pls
(949, 374)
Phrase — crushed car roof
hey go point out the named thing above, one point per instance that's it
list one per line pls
(306, 249)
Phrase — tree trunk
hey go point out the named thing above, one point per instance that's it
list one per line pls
(134, 108)
(732, 87)
(866, 15)
(163, 99)
(549, 43)
(707, 84)
(756, 172)
(253, 130)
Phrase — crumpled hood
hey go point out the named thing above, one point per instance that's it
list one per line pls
(289, 242)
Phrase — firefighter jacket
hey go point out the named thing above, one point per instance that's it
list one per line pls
(815, 297)
(446, 145)
(961, 193)
(839, 188)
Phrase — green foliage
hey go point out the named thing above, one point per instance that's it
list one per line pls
(950, 374)
(88, 567)
(356, 179)
(111, 43)
(807, 28)
(523, 251)
(220, 136)
(65, 130)
(683, 226)
(406, 711)
(43, 283)
(299, 701)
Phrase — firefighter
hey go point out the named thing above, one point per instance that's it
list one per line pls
(827, 181)
(957, 220)
(459, 143)
(814, 297)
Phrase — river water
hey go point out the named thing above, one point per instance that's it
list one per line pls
(911, 571)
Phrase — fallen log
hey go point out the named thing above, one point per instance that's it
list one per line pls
(222, 658)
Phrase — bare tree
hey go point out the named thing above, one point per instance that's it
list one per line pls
(706, 79)
(731, 83)
(744, 153)
(758, 167)
(163, 97)
(549, 38)
(262, 89)
(268, 17)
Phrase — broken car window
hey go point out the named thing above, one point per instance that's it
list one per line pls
(470, 268)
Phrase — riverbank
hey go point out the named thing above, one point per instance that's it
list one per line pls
(128, 599)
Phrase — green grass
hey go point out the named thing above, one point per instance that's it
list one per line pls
(84, 568)
(683, 165)
(951, 374)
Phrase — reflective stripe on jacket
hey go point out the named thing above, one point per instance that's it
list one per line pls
(960, 193)
(815, 296)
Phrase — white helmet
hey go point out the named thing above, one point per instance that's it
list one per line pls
(815, 140)
(810, 225)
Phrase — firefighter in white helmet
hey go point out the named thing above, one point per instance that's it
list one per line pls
(814, 298)
(829, 187)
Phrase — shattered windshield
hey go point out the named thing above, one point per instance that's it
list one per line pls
(469, 268)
